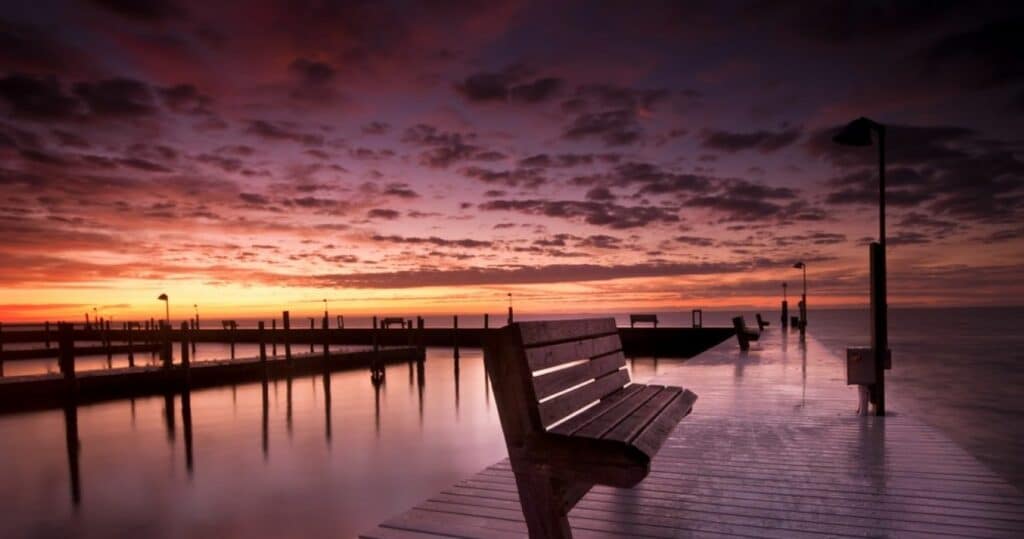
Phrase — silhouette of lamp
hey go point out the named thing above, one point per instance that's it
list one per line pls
(858, 133)
(803, 298)
(167, 307)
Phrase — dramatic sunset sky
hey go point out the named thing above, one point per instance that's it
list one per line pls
(585, 156)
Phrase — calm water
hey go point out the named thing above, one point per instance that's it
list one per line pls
(298, 464)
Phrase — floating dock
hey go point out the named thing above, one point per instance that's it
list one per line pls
(774, 449)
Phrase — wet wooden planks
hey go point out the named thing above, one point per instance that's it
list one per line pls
(772, 449)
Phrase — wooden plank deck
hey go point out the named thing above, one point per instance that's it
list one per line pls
(773, 449)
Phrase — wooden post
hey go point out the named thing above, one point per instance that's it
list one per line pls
(46, 333)
(165, 344)
(273, 340)
(185, 347)
(263, 343)
(66, 350)
(375, 343)
(2, 349)
(131, 349)
(455, 335)
(286, 322)
(510, 315)
(312, 326)
(231, 333)
(487, 320)
(106, 342)
(327, 349)
(419, 337)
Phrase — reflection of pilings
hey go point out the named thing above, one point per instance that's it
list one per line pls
(420, 383)
(376, 404)
(327, 405)
(266, 418)
(74, 447)
(186, 427)
(487, 390)
(169, 415)
(288, 408)
(457, 376)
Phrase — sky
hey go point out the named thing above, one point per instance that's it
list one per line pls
(397, 157)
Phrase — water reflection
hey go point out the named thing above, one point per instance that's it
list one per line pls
(74, 448)
(135, 454)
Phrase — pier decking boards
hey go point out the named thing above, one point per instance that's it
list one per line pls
(773, 449)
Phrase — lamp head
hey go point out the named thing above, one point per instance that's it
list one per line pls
(799, 265)
(855, 133)
(162, 297)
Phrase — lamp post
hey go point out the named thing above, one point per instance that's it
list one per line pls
(858, 133)
(785, 306)
(167, 307)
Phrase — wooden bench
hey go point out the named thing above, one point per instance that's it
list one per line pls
(744, 334)
(639, 318)
(761, 323)
(545, 375)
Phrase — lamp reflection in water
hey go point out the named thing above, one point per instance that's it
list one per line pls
(266, 416)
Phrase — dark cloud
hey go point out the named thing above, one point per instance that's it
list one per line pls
(254, 198)
(39, 98)
(529, 178)
(143, 10)
(116, 98)
(71, 140)
(653, 179)
(695, 241)
(281, 131)
(383, 213)
(610, 96)
(762, 141)
(376, 128)
(185, 98)
(600, 193)
(564, 160)
(313, 80)
(600, 241)
(981, 57)
(591, 212)
(433, 240)
(951, 171)
(614, 128)
(447, 148)
(508, 85)
(32, 48)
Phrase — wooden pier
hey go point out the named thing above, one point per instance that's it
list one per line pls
(773, 448)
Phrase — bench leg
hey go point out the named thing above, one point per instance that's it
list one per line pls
(543, 499)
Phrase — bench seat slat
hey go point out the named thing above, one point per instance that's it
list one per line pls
(550, 383)
(571, 425)
(538, 333)
(563, 405)
(622, 410)
(544, 357)
(656, 432)
(629, 427)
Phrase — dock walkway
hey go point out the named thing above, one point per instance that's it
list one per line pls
(773, 449)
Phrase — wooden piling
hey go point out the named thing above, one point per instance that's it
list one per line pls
(46, 333)
(510, 315)
(231, 337)
(263, 343)
(166, 351)
(106, 342)
(131, 351)
(327, 349)
(273, 340)
(185, 337)
(376, 344)
(66, 350)
(455, 336)
(286, 322)
(1, 349)
(419, 337)
(487, 320)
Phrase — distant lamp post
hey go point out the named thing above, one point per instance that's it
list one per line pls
(167, 307)
(325, 307)
(195, 307)
(803, 297)
(858, 133)
(785, 306)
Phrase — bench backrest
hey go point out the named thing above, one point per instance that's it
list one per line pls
(643, 318)
(739, 323)
(545, 371)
